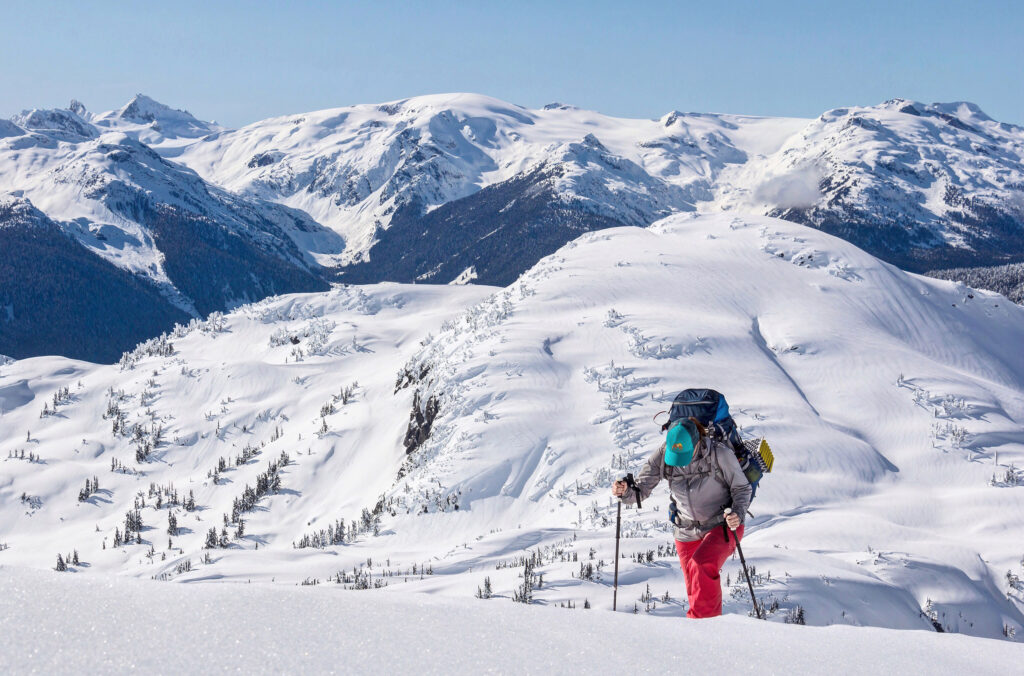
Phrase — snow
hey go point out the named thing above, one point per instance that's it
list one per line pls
(73, 623)
(465, 277)
(156, 124)
(899, 160)
(350, 167)
(894, 404)
(98, 181)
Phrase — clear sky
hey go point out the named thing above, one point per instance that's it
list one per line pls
(238, 62)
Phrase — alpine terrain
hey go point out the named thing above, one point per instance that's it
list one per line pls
(148, 217)
(461, 441)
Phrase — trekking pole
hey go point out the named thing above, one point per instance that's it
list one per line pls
(618, 528)
(618, 531)
(739, 550)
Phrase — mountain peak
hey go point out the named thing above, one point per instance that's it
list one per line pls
(156, 121)
(557, 105)
(64, 122)
(145, 109)
(963, 110)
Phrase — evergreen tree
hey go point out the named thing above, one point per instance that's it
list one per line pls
(525, 592)
(795, 616)
(61, 566)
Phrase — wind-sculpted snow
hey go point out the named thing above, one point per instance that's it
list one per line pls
(278, 435)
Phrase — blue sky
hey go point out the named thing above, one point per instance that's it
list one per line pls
(238, 62)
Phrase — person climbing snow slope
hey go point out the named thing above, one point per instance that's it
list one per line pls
(704, 478)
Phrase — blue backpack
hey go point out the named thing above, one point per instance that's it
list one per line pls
(711, 410)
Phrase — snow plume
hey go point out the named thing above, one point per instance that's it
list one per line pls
(796, 190)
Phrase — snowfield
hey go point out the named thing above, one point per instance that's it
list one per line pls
(64, 624)
(468, 437)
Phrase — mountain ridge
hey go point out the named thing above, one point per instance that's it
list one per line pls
(430, 188)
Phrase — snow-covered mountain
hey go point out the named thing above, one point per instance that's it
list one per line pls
(363, 169)
(57, 296)
(195, 247)
(152, 122)
(458, 187)
(922, 186)
(460, 431)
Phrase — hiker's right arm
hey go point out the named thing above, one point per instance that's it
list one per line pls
(650, 475)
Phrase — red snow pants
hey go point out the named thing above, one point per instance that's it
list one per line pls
(701, 561)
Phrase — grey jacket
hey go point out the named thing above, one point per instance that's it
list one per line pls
(699, 494)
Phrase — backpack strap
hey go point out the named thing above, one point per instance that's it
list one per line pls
(717, 471)
(664, 465)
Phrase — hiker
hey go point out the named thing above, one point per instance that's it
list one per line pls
(704, 478)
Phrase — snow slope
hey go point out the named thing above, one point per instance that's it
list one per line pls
(50, 625)
(895, 404)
